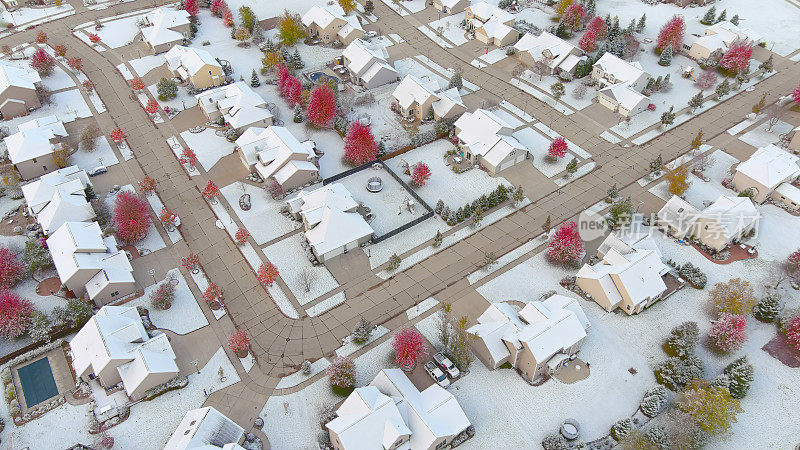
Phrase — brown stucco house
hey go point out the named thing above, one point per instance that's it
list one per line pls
(329, 25)
(196, 66)
(17, 90)
(726, 220)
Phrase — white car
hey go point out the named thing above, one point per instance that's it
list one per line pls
(446, 365)
(370, 34)
(436, 373)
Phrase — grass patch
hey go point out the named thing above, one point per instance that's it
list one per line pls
(342, 391)
(505, 365)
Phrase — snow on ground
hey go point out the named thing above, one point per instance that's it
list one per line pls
(701, 193)
(494, 56)
(266, 9)
(177, 150)
(421, 308)
(183, 100)
(383, 121)
(57, 80)
(299, 377)
(296, 270)
(434, 36)
(27, 289)
(209, 147)
(26, 15)
(455, 189)
(102, 155)
(66, 106)
(760, 137)
(541, 94)
(537, 145)
(545, 82)
(153, 241)
(119, 32)
(158, 206)
(142, 66)
(349, 347)
(508, 117)
(582, 170)
(185, 314)
(412, 6)
(264, 220)
(410, 66)
(505, 259)
(326, 305)
(451, 28)
(739, 127)
(516, 111)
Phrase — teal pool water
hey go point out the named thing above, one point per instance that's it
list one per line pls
(37, 382)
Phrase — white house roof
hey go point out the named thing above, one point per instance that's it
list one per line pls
(336, 229)
(310, 203)
(205, 428)
(376, 68)
(450, 3)
(368, 419)
(412, 89)
(496, 29)
(352, 26)
(770, 166)
(789, 191)
(733, 214)
(448, 100)
(239, 104)
(162, 21)
(362, 56)
(485, 12)
(626, 96)
(292, 167)
(191, 59)
(487, 135)
(638, 273)
(679, 214)
(270, 149)
(39, 193)
(34, 139)
(322, 16)
(730, 32)
(68, 204)
(623, 71)
(12, 74)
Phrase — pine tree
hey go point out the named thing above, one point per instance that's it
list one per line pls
(572, 166)
(666, 57)
(723, 89)
(740, 373)
(631, 27)
(641, 24)
(735, 19)
(254, 81)
(768, 309)
(561, 31)
(297, 60)
(298, 114)
(710, 16)
(269, 46)
(767, 65)
(656, 165)
(456, 82)
(723, 16)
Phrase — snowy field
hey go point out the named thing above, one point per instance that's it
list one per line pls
(263, 220)
(450, 28)
(67, 106)
(27, 15)
(306, 281)
(759, 136)
(537, 144)
(701, 193)
(383, 121)
(183, 100)
(185, 314)
(102, 155)
(142, 66)
(209, 147)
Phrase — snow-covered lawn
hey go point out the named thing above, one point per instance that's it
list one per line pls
(299, 377)
(185, 314)
(263, 220)
(434, 37)
(451, 28)
(455, 189)
(701, 193)
(305, 280)
(408, 6)
(209, 147)
(66, 106)
(510, 118)
(26, 15)
(383, 122)
(494, 56)
(102, 155)
(537, 145)
(153, 241)
(349, 347)
(57, 80)
(183, 100)
(142, 66)
(326, 305)
(543, 84)
(157, 206)
(410, 66)
(119, 32)
(760, 137)
(267, 9)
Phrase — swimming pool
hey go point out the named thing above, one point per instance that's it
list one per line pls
(37, 382)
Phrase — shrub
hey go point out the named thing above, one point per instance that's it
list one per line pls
(792, 331)
(137, 84)
(75, 314)
(238, 342)
(267, 274)
(682, 340)
(241, 236)
(305, 368)
(554, 441)
(558, 148)
(191, 262)
(728, 332)
(653, 401)
(11, 393)
(740, 373)
(342, 372)
(164, 294)
(362, 331)
(131, 217)
(39, 329)
(675, 372)
(712, 407)
(211, 191)
(621, 428)
(657, 434)
(693, 274)
(423, 137)
(360, 146)
(768, 309)
(42, 62)
(15, 314)
(321, 106)
(409, 347)
(327, 412)
(394, 262)
(11, 268)
(733, 297)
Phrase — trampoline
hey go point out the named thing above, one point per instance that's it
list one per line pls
(37, 382)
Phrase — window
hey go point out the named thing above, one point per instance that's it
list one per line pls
(628, 307)
(706, 227)
(192, 422)
(441, 444)
(34, 160)
(44, 168)
(115, 293)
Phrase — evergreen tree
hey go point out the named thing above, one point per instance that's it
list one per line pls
(723, 16)
(297, 60)
(298, 114)
(456, 81)
(723, 89)
(561, 31)
(666, 57)
(269, 46)
(696, 101)
(735, 19)
(741, 374)
(650, 84)
(656, 165)
(572, 167)
(668, 118)
(254, 81)
(710, 16)
(631, 27)
(767, 65)
(641, 24)
(768, 309)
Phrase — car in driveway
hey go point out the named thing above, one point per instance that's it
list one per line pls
(436, 373)
(445, 364)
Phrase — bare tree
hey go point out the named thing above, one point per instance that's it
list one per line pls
(518, 70)
(306, 279)
(703, 163)
(579, 91)
(774, 114)
(540, 68)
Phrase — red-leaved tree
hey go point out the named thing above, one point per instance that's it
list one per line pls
(239, 342)
(227, 18)
(94, 38)
(359, 144)
(706, 80)
(321, 106)
(131, 217)
(147, 185)
(573, 16)
(88, 86)
(420, 173)
(293, 91)
(15, 314)
(117, 135)
(793, 264)
(137, 84)
(796, 94)
(566, 244)
(671, 34)
(41, 37)
(267, 274)
(241, 236)
(737, 58)
(281, 75)
(42, 62)
(211, 191)
(599, 26)
(11, 268)
(409, 347)
(342, 372)
(60, 50)
(191, 7)
(75, 64)
(558, 148)
(792, 331)
(191, 262)
(152, 106)
(729, 332)
(212, 293)
(188, 157)
(588, 42)
(217, 7)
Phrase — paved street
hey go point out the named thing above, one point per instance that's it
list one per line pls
(279, 343)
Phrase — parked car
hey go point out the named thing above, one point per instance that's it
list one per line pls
(444, 362)
(370, 34)
(436, 373)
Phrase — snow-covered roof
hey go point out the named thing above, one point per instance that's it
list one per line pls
(310, 203)
(545, 327)
(450, 3)
(626, 96)
(637, 274)
(34, 139)
(239, 104)
(486, 134)
(412, 89)
(770, 166)
(730, 32)
(448, 100)
(336, 229)
(621, 70)
(292, 167)
(162, 21)
(486, 12)
(322, 16)
(428, 415)
(39, 193)
(361, 56)
(376, 68)
(270, 149)
(368, 419)
(733, 214)
(12, 74)
(352, 26)
(207, 429)
(789, 191)
(679, 214)
(496, 29)
(68, 204)
(191, 59)
(116, 336)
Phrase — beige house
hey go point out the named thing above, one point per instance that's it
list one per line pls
(237, 104)
(629, 275)
(718, 36)
(557, 54)
(164, 28)
(482, 12)
(368, 65)
(17, 90)
(767, 170)
(620, 85)
(486, 140)
(32, 148)
(391, 413)
(206, 429)
(450, 6)
(196, 66)
(726, 220)
(113, 347)
(59, 197)
(535, 339)
(414, 97)
(794, 143)
(329, 25)
(496, 33)
(275, 153)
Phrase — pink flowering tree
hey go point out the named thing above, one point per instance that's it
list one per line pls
(188, 157)
(117, 135)
(341, 375)
(239, 343)
(42, 62)
(359, 144)
(566, 244)
(191, 7)
(420, 173)
(573, 17)
(557, 149)
(217, 7)
(729, 332)
(212, 293)
(281, 75)
(796, 95)
(131, 217)
(147, 185)
(588, 42)
(241, 236)
(60, 50)
(191, 262)
(211, 191)
(94, 38)
(293, 91)
(599, 26)
(793, 263)
(671, 34)
(792, 331)
(75, 64)
(706, 80)
(11, 268)
(267, 274)
(737, 58)
(227, 18)
(409, 348)
(15, 314)
(321, 106)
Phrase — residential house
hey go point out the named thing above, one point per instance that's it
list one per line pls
(630, 275)
(330, 219)
(87, 263)
(32, 149)
(329, 24)
(485, 139)
(391, 413)
(497, 33)
(482, 12)
(450, 6)
(59, 197)
(726, 220)
(449, 106)
(196, 66)
(794, 141)
(237, 104)
(17, 90)
(767, 170)
(535, 339)
(114, 347)
(620, 85)
(718, 37)
(558, 55)
(414, 97)
(206, 429)
(164, 28)
(274, 152)
(368, 65)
